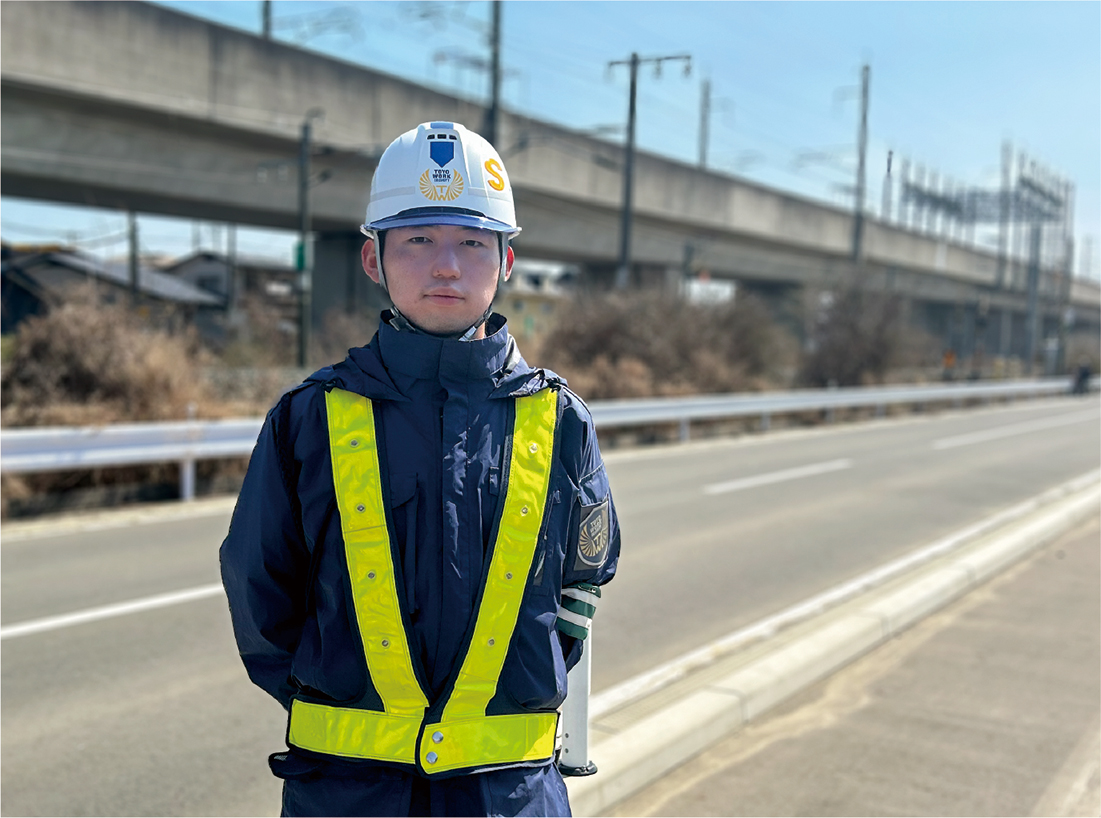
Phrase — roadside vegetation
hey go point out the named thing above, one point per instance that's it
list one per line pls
(91, 364)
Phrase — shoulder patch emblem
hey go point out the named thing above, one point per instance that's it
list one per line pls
(592, 540)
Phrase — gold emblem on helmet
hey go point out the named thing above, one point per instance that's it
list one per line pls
(441, 184)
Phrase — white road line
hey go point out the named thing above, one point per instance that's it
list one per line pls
(778, 476)
(50, 623)
(1014, 430)
(649, 681)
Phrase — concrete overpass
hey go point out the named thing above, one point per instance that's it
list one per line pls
(133, 106)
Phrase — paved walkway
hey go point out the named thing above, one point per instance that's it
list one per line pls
(990, 707)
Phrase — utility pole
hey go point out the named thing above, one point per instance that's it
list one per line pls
(134, 263)
(885, 211)
(232, 285)
(492, 114)
(265, 14)
(304, 260)
(623, 271)
(705, 116)
(862, 148)
(1032, 321)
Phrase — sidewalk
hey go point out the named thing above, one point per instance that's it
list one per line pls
(991, 706)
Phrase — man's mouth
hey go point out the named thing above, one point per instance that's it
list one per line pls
(443, 296)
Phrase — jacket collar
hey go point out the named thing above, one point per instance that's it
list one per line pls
(447, 360)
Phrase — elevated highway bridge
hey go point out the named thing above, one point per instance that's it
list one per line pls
(138, 107)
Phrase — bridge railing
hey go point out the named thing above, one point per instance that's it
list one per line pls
(44, 449)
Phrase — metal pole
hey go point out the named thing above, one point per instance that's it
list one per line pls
(705, 116)
(575, 716)
(623, 272)
(862, 148)
(232, 294)
(492, 113)
(303, 261)
(885, 211)
(1032, 323)
(266, 16)
(134, 263)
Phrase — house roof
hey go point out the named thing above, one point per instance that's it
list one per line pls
(251, 262)
(150, 282)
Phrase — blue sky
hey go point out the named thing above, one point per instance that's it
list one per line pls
(949, 82)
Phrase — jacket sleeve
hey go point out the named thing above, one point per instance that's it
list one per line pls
(265, 561)
(593, 539)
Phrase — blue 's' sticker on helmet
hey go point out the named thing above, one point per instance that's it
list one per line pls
(441, 152)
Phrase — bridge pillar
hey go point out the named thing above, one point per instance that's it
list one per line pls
(339, 282)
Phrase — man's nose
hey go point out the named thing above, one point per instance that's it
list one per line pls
(447, 263)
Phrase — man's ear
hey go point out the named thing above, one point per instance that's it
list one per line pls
(370, 260)
(509, 259)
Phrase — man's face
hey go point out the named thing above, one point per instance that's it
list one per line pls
(441, 277)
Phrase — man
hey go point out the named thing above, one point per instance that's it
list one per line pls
(417, 548)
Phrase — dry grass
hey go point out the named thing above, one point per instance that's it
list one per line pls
(86, 364)
(642, 344)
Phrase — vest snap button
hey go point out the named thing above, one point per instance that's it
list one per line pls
(508, 575)
(524, 510)
(491, 643)
(386, 643)
(533, 448)
(431, 758)
(354, 443)
(361, 508)
(370, 575)
(437, 737)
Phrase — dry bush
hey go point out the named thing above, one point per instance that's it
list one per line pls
(261, 337)
(341, 331)
(641, 344)
(86, 364)
(857, 337)
(1082, 349)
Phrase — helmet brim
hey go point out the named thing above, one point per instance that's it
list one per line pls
(458, 219)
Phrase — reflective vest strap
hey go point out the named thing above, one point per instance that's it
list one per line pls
(488, 740)
(353, 733)
(513, 553)
(358, 483)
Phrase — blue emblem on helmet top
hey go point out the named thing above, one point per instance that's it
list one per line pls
(441, 151)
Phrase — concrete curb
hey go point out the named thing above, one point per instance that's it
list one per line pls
(647, 749)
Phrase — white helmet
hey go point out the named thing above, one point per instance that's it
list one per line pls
(441, 173)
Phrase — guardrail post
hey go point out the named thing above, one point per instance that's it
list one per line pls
(187, 479)
(765, 421)
(880, 410)
(685, 430)
(575, 716)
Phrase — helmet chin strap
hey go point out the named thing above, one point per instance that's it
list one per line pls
(401, 323)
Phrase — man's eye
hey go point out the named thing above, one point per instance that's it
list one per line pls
(419, 239)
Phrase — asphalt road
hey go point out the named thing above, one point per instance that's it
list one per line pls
(990, 707)
(151, 713)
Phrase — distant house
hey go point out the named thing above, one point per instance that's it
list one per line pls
(36, 279)
(243, 283)
(532, 296)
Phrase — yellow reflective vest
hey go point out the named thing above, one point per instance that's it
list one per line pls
(453, 734)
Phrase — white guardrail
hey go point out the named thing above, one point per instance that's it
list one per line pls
(43, 449)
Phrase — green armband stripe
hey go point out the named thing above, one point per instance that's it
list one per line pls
(570, 629)
(577, 606)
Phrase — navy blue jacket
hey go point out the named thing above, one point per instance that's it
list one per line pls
(443, 414)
